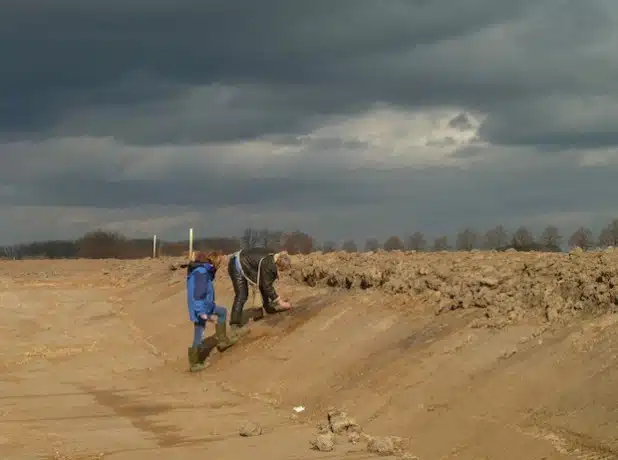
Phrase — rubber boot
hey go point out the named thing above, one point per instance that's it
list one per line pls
(258, 314)
(236, 328)
(238, 331)
(223, 340)
(194, 360)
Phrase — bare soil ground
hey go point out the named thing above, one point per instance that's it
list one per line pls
(505, 356)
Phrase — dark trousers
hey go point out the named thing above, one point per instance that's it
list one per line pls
(241, 292)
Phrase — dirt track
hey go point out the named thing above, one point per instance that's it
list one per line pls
(465, 356)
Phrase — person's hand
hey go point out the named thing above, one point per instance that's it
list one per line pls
(284, 304)
(208, 318)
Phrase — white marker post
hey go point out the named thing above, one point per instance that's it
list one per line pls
(154, 246)
(191, 244)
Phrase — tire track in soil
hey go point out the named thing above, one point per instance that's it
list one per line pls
(570, 443)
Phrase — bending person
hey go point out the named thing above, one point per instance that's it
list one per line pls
(258, 267)
(202, 306)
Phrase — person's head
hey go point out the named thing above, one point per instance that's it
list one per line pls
(283, 261)
(213, 258)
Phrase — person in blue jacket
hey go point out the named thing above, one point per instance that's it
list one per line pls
(202, 307)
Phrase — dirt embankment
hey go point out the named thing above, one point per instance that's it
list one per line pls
(363, 337)
(507, 286)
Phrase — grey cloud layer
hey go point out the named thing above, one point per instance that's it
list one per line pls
(340, 204)
(514, 60)
(165, 73)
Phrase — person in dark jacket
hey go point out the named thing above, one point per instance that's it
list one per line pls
(202, 307)
(259, 267)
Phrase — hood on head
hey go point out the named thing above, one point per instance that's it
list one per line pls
(193, 265)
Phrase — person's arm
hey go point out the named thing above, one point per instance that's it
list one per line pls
(267, 288)
(268, 276)
(200, 286)
(200, 292)
(209, 298)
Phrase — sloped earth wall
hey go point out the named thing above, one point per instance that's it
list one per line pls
(464, 355)
(385, 337)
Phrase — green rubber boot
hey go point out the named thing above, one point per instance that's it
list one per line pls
(238, 331)
(195, 365)
(223, 340)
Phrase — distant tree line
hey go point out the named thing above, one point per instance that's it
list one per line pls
(101, 244)
(497, 238)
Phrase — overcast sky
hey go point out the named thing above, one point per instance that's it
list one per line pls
(346, 118)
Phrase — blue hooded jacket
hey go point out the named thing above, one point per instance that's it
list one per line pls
(200, 291)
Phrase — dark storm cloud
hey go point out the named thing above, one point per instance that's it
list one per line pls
(199, 190)
(299, 59)
(87, 84)
(212, 114)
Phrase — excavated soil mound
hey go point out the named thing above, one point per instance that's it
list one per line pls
(508, 286)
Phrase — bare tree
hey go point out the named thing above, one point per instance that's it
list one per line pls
(329, 246)
(264, 238)
(467, 240)
(297, 242)
(250, 238)
(225, 244)
(349, 246)
(495, 238)
(101, 244)
(522, 239)
(272, 239)
(372, 244)
(609, 235)
(550, 239)
(393, 243)
(582, 237)
(60, 249)
(417, 242)
(441, 244)
(12, 252)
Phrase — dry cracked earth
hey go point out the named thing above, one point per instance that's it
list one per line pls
(471, 356)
